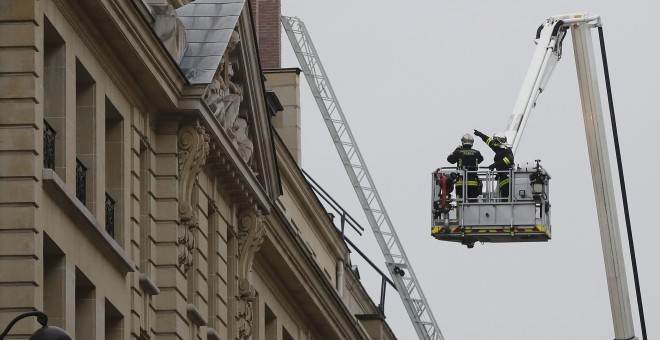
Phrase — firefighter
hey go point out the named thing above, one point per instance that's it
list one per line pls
(502, 161)
(468, 159)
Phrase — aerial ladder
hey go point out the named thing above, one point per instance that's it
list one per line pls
(524, 216)
(396, 261)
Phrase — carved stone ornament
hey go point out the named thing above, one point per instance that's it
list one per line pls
(169, 29)
(251, 231)
(193, 144)
(223, 96)
(243, 141)
(244, 319)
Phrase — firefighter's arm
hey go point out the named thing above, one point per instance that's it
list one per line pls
(480, 135)
(508, 160)
(453, 157)
(493, 143)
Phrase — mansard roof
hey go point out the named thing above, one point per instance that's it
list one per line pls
(209, 25)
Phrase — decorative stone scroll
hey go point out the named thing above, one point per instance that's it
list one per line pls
(193, 145)
(251, 231)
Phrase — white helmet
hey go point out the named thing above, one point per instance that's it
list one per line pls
(500, 137)
(467, 139)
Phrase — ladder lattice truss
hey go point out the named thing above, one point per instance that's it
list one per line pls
(395, 258)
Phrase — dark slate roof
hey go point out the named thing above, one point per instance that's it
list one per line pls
(209, 24)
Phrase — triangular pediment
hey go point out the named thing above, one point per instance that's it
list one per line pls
(235, 95)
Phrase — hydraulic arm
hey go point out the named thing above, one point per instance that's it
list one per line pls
(548, 51)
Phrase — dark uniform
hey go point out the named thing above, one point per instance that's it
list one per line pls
(467, 159)
(503, 161)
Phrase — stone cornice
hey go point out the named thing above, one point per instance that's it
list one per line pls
(263, 139)
(144, 67)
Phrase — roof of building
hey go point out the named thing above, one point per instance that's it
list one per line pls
(209, 25)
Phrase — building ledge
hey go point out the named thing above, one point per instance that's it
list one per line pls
(211, 334)
(195, 315)
(370, 316)
(148, 285)
(87, 223)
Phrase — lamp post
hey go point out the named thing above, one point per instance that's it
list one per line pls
(43, 333)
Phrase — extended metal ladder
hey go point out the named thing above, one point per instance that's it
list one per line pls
(395, 258)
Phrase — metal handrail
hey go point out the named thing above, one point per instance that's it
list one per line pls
(49, 146)
(81, 181)
(109, 215)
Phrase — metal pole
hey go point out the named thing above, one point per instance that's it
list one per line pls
(622, 182)
(602, 182)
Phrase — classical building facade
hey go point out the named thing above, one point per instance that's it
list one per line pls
(149, 178)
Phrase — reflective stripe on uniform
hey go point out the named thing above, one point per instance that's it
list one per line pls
(469, 183)
(506, 161)
(504, 182)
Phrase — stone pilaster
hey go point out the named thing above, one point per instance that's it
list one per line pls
(21, 119)
(170, 305)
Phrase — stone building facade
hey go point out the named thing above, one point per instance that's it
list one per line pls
(149, 179)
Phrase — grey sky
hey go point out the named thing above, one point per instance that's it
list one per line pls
(414, 76)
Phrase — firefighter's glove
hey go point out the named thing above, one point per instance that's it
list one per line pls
(479, 133)
(491, 167)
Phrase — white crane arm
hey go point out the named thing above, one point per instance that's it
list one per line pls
(548, 51)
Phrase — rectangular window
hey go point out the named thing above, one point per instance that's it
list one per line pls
(54, 282)
(85, 307)
(85, 137)
(145, 211)
(286, 335)
(232, 280)
(212, 265)
(54, 100)
(114, 171)
(270, 322)
(114, 322)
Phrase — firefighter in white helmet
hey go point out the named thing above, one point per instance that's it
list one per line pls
(467, 158)
(502, 161)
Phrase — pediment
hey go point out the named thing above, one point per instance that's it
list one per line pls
(225, 58)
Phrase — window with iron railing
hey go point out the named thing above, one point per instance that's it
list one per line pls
(109, 215)
(81, 181)
(49, 146)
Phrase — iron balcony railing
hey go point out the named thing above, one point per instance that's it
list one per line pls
(81, 181)
(109, 215)
(49, 146)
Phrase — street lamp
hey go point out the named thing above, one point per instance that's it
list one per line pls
(43, 333)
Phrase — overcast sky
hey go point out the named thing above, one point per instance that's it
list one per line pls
(412, 77)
